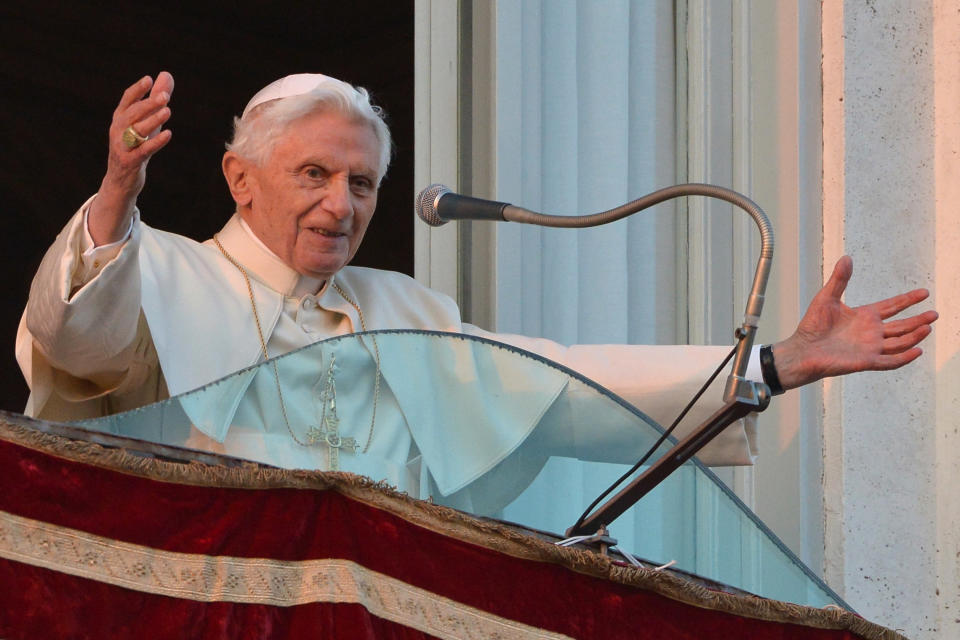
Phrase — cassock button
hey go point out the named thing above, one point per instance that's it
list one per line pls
(309, 303)
(307, 329)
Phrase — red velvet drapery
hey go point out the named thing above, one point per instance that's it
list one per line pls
(100, 544)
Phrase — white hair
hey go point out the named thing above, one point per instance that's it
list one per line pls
(255, 133)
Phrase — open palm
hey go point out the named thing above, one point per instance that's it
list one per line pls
(834, 339)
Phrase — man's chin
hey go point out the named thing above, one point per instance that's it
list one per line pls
(319, 271)
(318, 265)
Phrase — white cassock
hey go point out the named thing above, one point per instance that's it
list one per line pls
(115, 328)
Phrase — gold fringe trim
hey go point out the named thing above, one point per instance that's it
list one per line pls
(279, 583)
(444, 521)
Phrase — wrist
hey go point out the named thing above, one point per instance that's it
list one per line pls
(788, 356)
(109, 218)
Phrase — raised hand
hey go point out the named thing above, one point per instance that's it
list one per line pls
(109, 216)
(833, 339)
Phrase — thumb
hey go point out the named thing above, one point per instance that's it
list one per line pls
(837, 284)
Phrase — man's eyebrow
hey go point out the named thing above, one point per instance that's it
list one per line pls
(325, 160)
(313, 159)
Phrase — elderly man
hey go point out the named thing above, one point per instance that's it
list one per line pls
(121, 315)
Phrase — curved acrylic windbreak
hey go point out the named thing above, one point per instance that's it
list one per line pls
(480, 426)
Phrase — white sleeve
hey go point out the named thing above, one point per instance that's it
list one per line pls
(84, 306)
(659, 380)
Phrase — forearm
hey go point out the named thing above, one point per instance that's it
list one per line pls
(110, 213)
(657, 379)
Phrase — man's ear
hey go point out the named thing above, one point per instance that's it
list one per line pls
(236, 171)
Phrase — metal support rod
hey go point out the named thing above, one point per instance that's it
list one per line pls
(669, 462)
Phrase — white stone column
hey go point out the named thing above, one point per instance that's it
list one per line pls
(891, 174)
(946, 52)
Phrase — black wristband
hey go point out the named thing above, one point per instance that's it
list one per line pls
(769, 370)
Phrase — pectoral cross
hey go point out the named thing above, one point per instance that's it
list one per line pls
(328, 432)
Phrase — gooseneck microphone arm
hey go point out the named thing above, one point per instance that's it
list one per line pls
(437, 205)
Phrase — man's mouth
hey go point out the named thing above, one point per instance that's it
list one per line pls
(327, 233)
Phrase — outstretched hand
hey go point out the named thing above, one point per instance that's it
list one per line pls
(833, 339)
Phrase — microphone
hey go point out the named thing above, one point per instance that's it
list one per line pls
(437, 205)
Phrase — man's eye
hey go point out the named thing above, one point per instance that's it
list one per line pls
(314, 173)
(361, 185)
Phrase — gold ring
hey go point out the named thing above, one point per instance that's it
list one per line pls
(132, 139)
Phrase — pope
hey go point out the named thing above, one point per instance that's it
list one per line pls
(119, 311)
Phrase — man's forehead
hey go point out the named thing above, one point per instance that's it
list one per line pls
(330, 122)
(327, 135)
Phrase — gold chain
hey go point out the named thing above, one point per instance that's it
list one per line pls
(376, 353)
(276, 372)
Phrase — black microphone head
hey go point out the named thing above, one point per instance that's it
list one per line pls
(426, 204)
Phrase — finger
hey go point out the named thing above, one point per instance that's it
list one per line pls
(888, 362)
(152, 123)
(902, 343)
(837, 283)
(140, 110)
(133, 93)
(896, 328)
(164, 83)
(151, 146)
(896, 304)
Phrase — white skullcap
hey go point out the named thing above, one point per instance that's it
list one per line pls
(297, 84)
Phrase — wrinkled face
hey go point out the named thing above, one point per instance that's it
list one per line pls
(314, 196)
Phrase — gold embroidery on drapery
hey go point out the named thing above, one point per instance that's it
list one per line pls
(248, 580)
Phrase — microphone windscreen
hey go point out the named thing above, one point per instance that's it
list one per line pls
(426, 204)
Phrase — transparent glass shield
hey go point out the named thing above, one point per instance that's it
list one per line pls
(480, 426)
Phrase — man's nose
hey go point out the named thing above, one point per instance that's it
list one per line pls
(338, 199)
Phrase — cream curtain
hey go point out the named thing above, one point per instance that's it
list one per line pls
(586, 120)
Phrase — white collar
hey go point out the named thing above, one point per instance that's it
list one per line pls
(263, 264)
